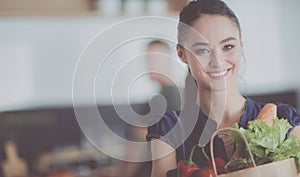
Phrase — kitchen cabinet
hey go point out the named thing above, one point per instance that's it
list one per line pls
(89, 7)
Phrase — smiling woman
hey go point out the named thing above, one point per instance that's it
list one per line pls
(210, 43)
(215, 55)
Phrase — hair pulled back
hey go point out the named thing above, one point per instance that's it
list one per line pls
(194, 9)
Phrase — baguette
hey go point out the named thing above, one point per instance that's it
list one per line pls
(268, 113)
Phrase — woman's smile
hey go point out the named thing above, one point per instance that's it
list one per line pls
(217, 75)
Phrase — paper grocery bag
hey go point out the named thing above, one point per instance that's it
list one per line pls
(284, 168)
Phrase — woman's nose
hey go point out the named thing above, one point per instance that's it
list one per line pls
(216, 59)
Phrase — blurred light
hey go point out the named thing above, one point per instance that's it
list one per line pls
(157, 7)
(134, 7)
(109, 7)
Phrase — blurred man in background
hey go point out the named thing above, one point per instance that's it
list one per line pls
(158, 62)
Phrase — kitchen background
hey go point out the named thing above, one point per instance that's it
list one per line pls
(40, 44)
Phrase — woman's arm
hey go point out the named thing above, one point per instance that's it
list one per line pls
(162, 165)
(296, 132)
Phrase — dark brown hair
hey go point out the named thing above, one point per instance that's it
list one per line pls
(195, 9)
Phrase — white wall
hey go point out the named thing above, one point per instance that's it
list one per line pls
(262, 44)
(288, 15)
(38, 55)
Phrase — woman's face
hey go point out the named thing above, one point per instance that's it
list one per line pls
(213, 51)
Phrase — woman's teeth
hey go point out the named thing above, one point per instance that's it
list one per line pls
(218, 74)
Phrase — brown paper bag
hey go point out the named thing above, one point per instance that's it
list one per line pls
(284, 168)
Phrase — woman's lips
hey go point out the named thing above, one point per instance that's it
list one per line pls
(218, 74)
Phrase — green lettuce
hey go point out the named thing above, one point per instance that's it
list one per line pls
(267, 144)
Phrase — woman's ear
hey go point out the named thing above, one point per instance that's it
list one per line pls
(180, 53)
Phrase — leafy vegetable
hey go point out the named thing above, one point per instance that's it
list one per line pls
(267, 144)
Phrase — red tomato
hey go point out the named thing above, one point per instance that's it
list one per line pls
(206, 172)
(220, 165)
(186, 169)
(250, 166)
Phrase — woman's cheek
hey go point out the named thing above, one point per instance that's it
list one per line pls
(199, 74)
(197, 68)
(234, 57)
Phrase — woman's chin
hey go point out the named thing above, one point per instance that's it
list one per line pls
(220, 85)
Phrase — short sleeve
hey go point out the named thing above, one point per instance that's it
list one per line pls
(161, 129)
(290, 113)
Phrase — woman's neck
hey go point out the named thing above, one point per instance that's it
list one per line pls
(225, 107)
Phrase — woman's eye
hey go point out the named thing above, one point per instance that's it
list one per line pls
(202, 51)
(228, 47)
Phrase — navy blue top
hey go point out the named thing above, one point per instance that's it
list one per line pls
(252, 108)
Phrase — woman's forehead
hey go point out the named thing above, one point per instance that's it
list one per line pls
(212, 29)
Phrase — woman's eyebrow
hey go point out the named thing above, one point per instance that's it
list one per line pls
(206, 44)
(227, 39)
(200, 43)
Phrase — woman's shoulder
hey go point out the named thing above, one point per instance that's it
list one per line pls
(163, 129)
(288, 112)
(284, 110)
(163, 124)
